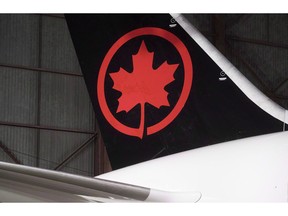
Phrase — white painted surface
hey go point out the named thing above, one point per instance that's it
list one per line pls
(247, 170)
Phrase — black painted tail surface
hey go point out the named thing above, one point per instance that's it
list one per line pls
(155, 91)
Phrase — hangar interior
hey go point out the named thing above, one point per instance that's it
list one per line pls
(46, 116)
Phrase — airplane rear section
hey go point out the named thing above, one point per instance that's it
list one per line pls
(246, 170)
(192, 108)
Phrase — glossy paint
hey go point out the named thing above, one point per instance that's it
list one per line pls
(247, 170)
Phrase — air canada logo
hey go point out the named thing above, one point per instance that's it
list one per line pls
(144, 81)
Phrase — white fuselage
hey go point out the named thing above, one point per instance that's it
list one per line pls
(246, 170)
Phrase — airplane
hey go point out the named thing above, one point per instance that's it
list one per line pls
(199, 131)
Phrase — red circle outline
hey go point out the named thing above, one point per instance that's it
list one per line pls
(188, 77)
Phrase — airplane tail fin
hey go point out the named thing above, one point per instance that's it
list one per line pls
(159, 87)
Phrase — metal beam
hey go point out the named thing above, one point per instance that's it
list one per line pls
(255, 41)
(38, 69)
(98, 152)
(9, 153)
(12, 124)
(236, 20)
(39, 88)
(74, 153)
(59, 16)
(266, 90)
(285, 81)
(219, 32)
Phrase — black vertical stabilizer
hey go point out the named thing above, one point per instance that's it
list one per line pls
(135, 67)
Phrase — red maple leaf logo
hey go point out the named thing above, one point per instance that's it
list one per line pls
(144, 84)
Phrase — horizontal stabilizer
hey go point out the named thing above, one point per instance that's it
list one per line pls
(19, 183)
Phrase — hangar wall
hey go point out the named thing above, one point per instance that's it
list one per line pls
(45, 113)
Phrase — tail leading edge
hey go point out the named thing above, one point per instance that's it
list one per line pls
(159, 87)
